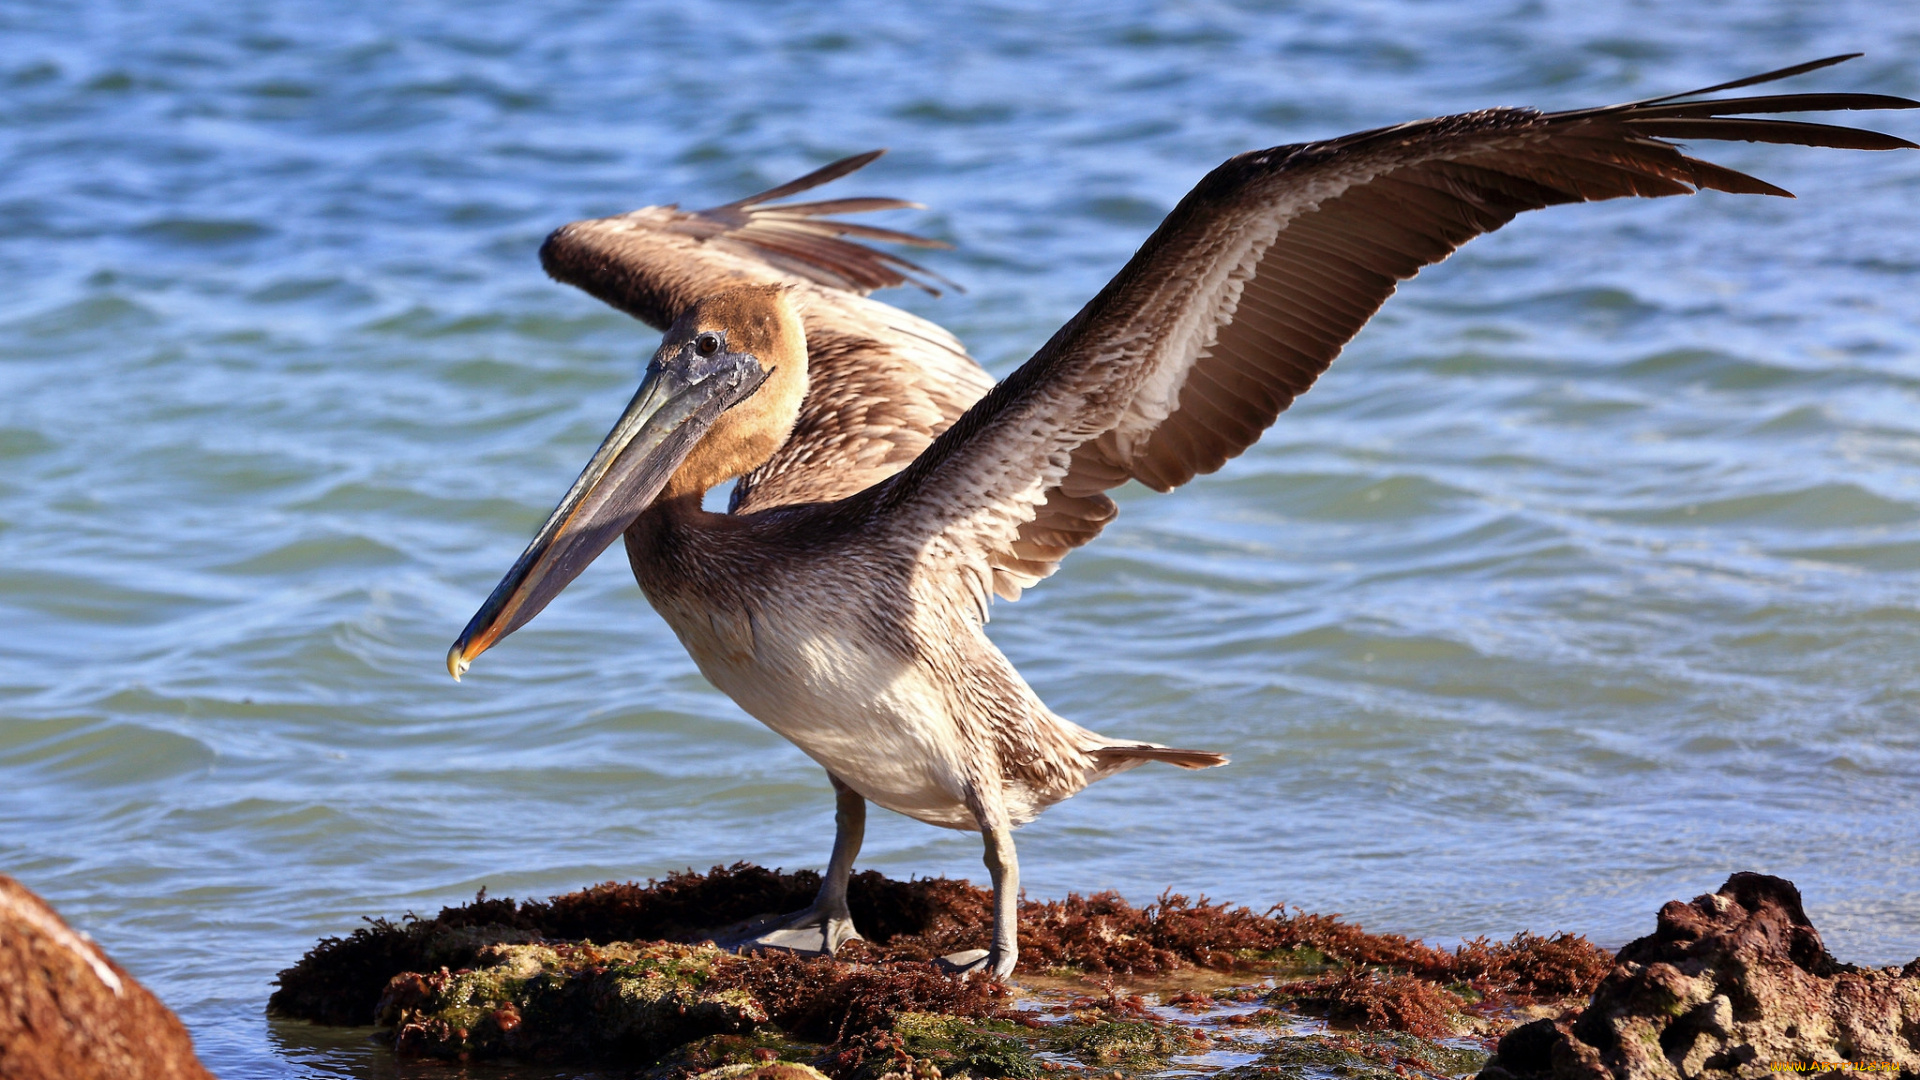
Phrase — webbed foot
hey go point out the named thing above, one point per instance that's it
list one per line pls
(812, 932)
(970, 962)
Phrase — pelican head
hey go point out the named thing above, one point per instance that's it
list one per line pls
(720, 396)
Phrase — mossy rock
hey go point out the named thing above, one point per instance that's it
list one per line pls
(458, 947)
(1299, 960)
(761, 1046)
(1365, 1056)
(569, 1001)
(1117, 1042)
(961, 1047)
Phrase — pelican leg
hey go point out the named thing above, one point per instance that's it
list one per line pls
(1004, 865)
(827, 924)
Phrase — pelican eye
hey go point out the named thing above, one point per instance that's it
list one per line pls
(706, 344)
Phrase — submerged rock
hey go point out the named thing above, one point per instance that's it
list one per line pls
(1736, 983)
(1123, 1042)
(925, 1043)
(1361, 1056)
(67, 1012)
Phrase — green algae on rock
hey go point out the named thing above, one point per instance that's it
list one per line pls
(341, 979)
(1727, 984)
(523, 979)
(1360, 1056)
(955, 1046)
(569, 1001)
(761, 1046)
(1124, 1042)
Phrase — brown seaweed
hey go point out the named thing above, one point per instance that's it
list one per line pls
(1378, 1001)
(619, 970)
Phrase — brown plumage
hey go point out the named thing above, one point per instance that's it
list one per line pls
(884, 382)
(886, 494)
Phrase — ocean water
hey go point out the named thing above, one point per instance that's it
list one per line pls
(1590, 574)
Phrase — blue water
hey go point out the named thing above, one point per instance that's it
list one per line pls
(1590, 574)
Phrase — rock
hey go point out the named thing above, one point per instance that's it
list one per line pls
(499, 978)
(1371, 1055)
(566, 1000)
(1114, 1042)
(956, 1046)
(67, 1012)
(1726, 986)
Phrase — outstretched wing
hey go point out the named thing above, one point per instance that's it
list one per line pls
(1253, 284)
(882, 382)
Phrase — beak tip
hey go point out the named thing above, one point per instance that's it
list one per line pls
(457, 662)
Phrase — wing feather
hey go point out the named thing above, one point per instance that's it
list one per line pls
(1249, 289)
(882, 382)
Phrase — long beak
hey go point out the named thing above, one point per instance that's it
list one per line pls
(667, 416)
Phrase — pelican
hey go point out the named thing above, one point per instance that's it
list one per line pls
(887, 490)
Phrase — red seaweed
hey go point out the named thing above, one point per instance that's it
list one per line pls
(1376, 1001)
(848, 1004)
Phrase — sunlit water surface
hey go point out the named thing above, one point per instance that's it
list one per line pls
(1590, 574)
